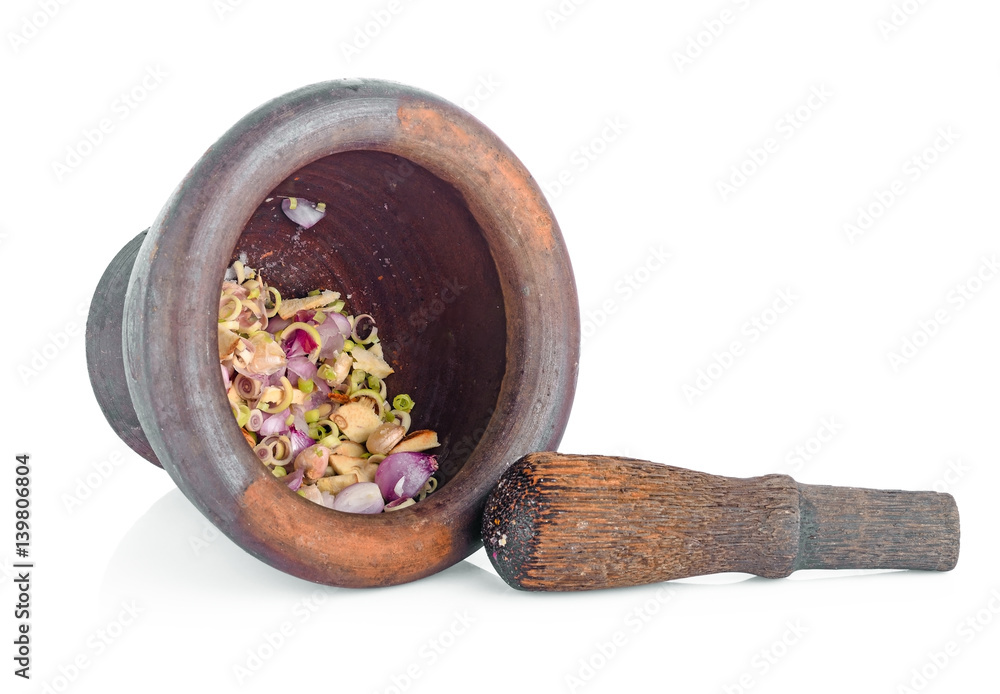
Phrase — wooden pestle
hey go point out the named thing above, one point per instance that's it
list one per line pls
(574, 522)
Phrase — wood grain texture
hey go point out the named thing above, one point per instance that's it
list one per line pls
(562, 522)
(849, 528)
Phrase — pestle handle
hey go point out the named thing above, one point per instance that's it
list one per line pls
(569, 522)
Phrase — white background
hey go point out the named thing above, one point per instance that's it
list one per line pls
(547, 88)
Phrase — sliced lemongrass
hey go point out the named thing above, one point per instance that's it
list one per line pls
(264, 454)
(402, 402)
(331, 440)
(404, 419)
(242, 414)
(354, 326)
(357, 377)
(397, 504)
(248, 388)
(428, 488)
(286, 400)
(250, 305)
(321, 430)
(229, 308)
(255, 421)
(276, 298)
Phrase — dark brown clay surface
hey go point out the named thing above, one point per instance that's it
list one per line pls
(104, 351)
(403, 246)
(433, 227)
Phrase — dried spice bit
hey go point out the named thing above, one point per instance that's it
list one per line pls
(338, 483)
(368, 471)
(303, 212)
(418, 441)
(343, 464)
(382, 440)
(349, 448)
(228, 341)
(337, 374)
(290, 307)
(370, 362)
(358, 419)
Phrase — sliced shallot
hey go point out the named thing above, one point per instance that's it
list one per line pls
(362, 497)
(403, 475)
(303, 212)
